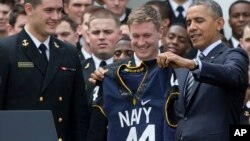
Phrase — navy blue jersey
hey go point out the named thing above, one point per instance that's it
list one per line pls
(133, 100)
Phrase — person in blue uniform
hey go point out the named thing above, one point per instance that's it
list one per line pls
(133, 104)
(131, 100)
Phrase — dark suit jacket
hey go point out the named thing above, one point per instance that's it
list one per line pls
(216, 98)
(230, 42)
(175, 19)
(79, 50)
(191, 54)
(80, 54)
(124, 21)
(88, 68)
(27, 85)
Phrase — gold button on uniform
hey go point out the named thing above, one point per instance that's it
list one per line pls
(41, 99)
(60, 98)
(60, 119)
(60, 139)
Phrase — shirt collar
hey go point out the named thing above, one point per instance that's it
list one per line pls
(235, 42)
(85, 53)
(98, 61)
(36, 41)
(185, 5)
(138, 61)
(123, 16)
(209, 48)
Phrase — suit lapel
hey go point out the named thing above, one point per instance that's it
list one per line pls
(55, 58)
(209, 58)
(30, 49)
(89, 66)
(215, 52)
(181, 74)
(230, 43)
(194, 87)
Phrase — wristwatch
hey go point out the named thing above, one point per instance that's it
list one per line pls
(196, 64)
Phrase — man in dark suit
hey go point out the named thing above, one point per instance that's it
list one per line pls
(208, 105)
(120, 8)
(40, 72)
(239, 15)
(179, 9)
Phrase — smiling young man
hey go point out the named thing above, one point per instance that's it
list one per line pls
(177, 40)
(128, 100)
(40, 72)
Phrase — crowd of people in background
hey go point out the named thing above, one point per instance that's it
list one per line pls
(84, 39)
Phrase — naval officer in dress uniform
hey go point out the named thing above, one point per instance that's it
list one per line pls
(39, 72)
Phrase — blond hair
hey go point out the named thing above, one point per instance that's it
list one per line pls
(145, 13)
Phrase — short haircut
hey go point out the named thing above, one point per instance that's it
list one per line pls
(34, 3)
(214, 7)
(124, 37)
(179, 24)
(145, 13)
(237, 2)
(10, 3)
(103, 13)
(15, 12)
(183, 25)
(90, 9)
(73, 25)
(164, 8)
